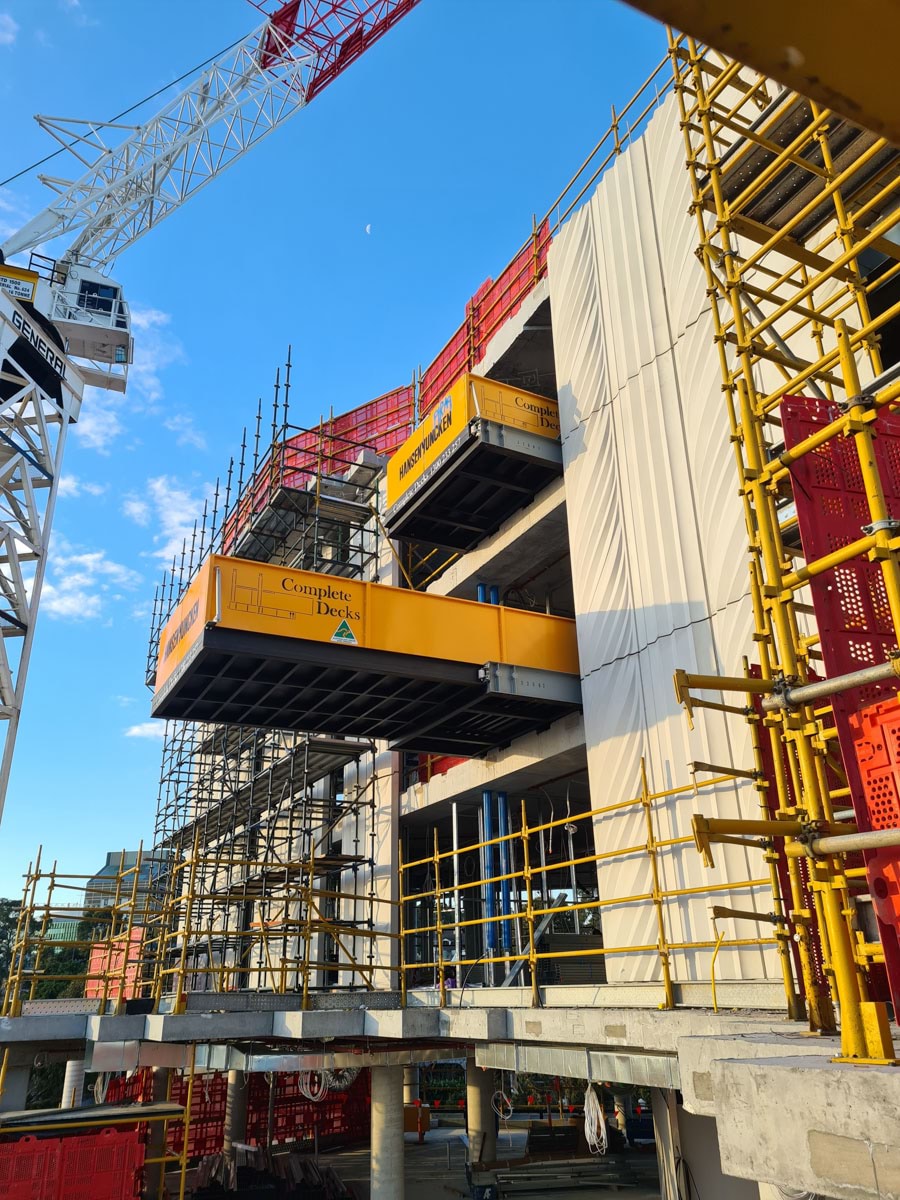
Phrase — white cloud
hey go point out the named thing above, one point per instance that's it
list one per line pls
(82, 582)
(187, 434)
(99, 423)
(124, 701)
(146, 729)
(71, 485)
(155, 348)
(13, 213)
(8, 29)
(171, 508)
(136, 509)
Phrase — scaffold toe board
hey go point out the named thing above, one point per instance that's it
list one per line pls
(481, 453)
(255, 644)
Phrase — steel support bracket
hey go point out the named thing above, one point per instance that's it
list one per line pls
(891, 524)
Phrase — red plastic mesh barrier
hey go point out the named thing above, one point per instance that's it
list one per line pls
(29, 1169)
(103, 1166)
(494, 302)
(850, 601)
(437, 764)
(332, 447)
(341, 1115)
(87, 1166)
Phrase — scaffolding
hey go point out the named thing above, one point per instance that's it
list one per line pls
(100, 962)
(266, 861)
(796, 220)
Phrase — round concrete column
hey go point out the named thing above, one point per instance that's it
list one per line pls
(481, 1121)
(386, 1176)
(73, 1084)
(235, 1130)
(410, 1085)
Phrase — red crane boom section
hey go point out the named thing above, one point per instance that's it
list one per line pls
(337, 32)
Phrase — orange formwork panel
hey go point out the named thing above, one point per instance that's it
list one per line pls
(262, 645)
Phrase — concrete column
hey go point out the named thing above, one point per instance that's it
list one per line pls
(387, 1171)
(15, 1089)
(481, 1121)
(668, 1143)
(73, 1084)
(411, 1092)
(156, 1141)
(235, 1131)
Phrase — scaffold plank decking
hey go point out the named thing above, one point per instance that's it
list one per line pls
(479, 455)
(257, 644)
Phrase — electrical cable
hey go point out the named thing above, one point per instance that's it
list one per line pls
(125, 112)
(314, 1085)
(594, 1121)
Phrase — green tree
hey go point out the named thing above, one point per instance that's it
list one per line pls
(9, 920)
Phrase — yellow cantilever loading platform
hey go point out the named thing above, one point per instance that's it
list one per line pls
(482, 453)
(254, 644)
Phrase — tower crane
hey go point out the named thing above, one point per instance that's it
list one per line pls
(65, 324)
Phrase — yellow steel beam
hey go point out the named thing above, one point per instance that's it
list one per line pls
(821, 48)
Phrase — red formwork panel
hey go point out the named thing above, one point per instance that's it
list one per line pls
(29, 1169)
(850, 601)
(103, 1166)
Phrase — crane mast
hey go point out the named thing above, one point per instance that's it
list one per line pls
(65, 325)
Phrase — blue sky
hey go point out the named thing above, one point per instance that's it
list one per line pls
(444, 139)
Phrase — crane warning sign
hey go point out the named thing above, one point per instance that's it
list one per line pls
(18, 283)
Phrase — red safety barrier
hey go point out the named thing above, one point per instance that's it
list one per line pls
(341, 1115)
(494, 302)
(130, 1089)
(380, 425)
(850, 603)
(85, 1166)
(103, 1166)
(436, 764)
(29, 1169)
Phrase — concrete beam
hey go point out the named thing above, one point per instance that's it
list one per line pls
(513, 327)
(697, 1057)
(528, 762)
(642, 1070)
(533, 538)
(810, 1124)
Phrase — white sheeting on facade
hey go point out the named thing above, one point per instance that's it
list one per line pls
(658, 545)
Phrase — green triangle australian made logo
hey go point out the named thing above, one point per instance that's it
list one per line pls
(344, 634)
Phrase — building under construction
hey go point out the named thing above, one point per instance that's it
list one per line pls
(542, 713)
